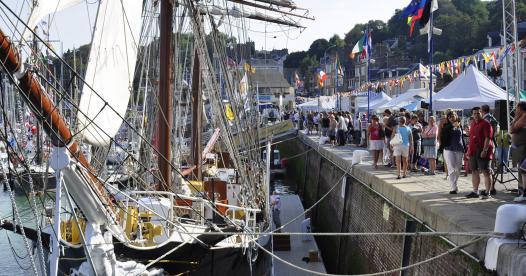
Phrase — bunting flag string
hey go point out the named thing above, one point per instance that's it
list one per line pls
(485, 60)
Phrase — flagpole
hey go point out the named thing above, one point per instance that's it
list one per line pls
(430, 63)
(368, 85)
(338, 105)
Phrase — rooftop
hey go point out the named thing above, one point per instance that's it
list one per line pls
(268, 78)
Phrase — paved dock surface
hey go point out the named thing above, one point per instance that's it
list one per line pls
(291, 207)
(426, 197)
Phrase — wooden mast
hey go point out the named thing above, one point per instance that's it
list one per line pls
(38, 159)
(165, 117)
(197, 111)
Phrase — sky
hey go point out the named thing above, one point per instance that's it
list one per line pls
(331, 17)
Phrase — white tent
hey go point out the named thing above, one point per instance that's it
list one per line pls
(345, 103)
(468, 90)
(375, 101)
(327, 103)
(308, 106)
(405, 98)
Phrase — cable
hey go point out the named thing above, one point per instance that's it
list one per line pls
(15, 255)
(483, 234)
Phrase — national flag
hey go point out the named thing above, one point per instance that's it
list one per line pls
(506, 52)
(423, 71)
(368, 44)
(229, 113)
(414, 12)
(340, 70)
(493, 58)
(486, 57)
(243, 86)
(431, 6)
(363, 46)
(249, 68)
(297, 80)
(322, 76)
(358, 47)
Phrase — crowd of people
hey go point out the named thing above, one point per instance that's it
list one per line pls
(340, 128)
(414, 143)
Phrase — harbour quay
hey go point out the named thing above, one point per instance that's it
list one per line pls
(379, 208)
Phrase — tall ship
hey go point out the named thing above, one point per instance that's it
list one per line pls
(147, 152)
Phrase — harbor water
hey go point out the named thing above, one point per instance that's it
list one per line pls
(14, 258)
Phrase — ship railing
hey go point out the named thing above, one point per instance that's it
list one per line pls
(194, 210)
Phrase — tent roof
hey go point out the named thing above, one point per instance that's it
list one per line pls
(414, 106)
(324, 103)
(468, 90)
(405, 98)
(309, 103)
(377, 100)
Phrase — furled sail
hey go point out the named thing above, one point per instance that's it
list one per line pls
(110, 70)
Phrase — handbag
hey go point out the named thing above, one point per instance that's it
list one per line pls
(429, 142)
(396, 140)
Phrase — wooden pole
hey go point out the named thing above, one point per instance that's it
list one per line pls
(165, 117)
(197, 121)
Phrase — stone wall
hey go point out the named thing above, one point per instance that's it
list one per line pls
(353, 207)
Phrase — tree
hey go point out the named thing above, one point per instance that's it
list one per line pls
(307, 67)
(336, 40)
(294, 59)
(353, 35)
(465, 24)
(318, 47)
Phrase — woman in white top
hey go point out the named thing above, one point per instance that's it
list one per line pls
(342, 129)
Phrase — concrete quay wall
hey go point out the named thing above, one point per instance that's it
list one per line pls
(368, 200)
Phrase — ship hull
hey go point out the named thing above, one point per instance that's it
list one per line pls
(191, 258)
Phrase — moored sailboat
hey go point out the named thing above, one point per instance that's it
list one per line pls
(163, 220)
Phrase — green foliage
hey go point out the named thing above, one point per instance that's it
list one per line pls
(318, 47)
(307, 66)
(294, 59)
(465, 24)
(336, 40)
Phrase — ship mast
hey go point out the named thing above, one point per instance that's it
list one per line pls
(197, 111)
(165, 117)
